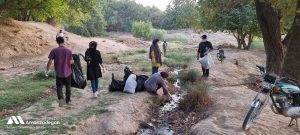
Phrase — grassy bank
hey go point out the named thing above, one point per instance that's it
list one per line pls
(24, 90)
(176, 59)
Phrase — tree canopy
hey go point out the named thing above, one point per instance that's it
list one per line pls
(238, 18)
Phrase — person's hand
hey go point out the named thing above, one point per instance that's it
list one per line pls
(103, 69)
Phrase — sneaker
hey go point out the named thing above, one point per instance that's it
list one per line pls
(95, 95)
(60, 102)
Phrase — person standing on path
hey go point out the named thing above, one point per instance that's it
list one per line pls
(94, 61)
(165, 47)
(63, 59)
(155, 56)
(204, 48)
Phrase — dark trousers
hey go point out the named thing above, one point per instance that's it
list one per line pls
(60, 82)
(205, 72)
(94, 84)
(154, 70)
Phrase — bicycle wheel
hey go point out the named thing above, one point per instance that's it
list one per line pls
(255, 109)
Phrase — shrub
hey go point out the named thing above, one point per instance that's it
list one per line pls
(158, 33)
(40, 75)
(189, 76)
(176, 37)
(197, 98)
(142, 29)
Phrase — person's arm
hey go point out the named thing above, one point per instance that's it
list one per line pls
(211, 47)
(101, 62)
(71, 57)
(48, 66)
(198, 52)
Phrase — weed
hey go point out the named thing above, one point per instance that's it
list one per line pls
(189, 76)
(197, 98)
(172, 78)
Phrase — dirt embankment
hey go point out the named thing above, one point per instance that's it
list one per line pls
(233, 98)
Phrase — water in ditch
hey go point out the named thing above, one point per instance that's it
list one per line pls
(163, 128)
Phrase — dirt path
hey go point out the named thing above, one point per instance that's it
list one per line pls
(232, 99)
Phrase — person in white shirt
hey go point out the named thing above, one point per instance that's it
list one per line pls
(60, 34)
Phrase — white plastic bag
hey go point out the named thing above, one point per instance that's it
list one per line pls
(130, 84)
(207, 61)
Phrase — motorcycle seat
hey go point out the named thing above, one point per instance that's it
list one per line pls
(294, 91)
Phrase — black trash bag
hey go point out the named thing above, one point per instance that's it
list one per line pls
(140, 79)
(127, 73)
(116, 85)
(77, 79)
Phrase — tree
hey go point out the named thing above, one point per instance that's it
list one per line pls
(4, 4)
(238, 18)
(282, 55)
(142, 29)
(178, 14)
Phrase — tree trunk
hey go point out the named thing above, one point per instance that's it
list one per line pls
(238, 38)
(243, 41)
(292, 41)
(250, 39)
(269, 22)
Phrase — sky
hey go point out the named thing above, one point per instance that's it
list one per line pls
(161, 4)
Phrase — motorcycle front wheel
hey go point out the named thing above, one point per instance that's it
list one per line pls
(255, 109)
(252, 114)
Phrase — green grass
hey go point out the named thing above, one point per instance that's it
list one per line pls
(176, 37)
(177, 59)
(21, 91)
(47, 103)
(40, 75)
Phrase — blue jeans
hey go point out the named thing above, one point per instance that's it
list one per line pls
(154, 70)
(94, 84)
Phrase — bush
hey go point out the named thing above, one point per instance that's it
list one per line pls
(142, 29)
(178, 59)
(40, 75)
(197, 98)
(189, 76)
(176, 37)
(158, 33)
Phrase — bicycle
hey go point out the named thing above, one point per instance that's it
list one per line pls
(220, 55)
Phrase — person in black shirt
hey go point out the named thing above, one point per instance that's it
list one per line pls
(204, 48)
(94, 61)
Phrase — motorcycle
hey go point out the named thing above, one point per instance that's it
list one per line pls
(284, 94)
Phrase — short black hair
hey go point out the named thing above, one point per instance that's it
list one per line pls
(203, 36)
(60, 40)
(155, 41)
(93, 44)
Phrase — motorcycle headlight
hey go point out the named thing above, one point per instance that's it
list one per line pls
(266, 85)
